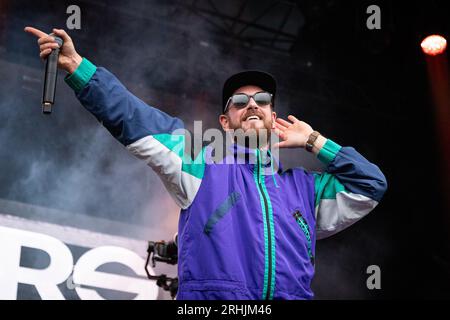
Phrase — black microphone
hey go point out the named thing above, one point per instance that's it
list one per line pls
(51, 71)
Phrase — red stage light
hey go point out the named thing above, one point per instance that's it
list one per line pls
(434, 45)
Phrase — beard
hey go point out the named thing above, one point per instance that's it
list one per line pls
(252, 125)
(252, 133)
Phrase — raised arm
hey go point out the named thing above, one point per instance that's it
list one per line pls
(145, 131)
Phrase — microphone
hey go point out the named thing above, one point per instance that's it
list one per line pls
(51, 71)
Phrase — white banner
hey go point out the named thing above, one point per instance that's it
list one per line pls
(82, 276)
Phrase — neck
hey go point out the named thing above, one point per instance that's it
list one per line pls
(251, 141)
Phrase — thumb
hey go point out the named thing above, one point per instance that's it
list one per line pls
(281, 134)
(282, 144)
(62, 34)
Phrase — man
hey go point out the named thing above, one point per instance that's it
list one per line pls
(246, 231)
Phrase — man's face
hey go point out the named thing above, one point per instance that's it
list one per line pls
(249, 117)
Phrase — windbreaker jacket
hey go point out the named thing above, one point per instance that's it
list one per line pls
(246, 230)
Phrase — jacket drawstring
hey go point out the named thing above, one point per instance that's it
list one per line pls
(273, 173)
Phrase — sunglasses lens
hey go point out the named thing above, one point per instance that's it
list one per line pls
(262, 98)
(240, 100)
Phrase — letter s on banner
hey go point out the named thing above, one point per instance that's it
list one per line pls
(85, 273)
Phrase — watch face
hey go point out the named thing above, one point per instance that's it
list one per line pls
(312, 138)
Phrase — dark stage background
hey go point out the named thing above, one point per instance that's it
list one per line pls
(364, 88)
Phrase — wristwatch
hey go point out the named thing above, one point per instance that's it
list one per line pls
(312, 138)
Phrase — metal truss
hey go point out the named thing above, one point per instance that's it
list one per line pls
(275, 25)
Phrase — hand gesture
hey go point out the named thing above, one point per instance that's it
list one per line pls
(69, 59)
(292, 135)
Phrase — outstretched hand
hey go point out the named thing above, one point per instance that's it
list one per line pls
(292, 134)
(69, 59)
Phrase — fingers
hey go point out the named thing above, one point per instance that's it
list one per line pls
(292, 118)
(46, 39)
(48, 45)
(46, 49)
(47, 42)
(283, 123)
(36, 32)
(44, 54)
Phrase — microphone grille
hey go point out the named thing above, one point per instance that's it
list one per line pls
(57, 39)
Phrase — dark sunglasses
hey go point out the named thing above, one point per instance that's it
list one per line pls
(240, 100)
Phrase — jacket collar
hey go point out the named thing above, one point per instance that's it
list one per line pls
(239, 154)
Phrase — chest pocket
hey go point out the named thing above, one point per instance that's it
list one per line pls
(221, 211)
(303, 224)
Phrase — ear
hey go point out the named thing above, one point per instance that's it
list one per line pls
(224, 121)
(274, 118)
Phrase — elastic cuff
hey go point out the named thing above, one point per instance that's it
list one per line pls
(81, 76)
(328, 151)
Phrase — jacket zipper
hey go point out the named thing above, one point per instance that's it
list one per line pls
(301, 221)
(269, 231)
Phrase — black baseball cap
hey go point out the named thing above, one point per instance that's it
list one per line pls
(258, 78)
